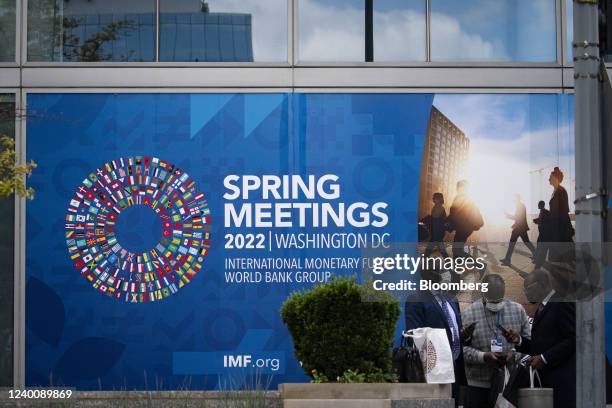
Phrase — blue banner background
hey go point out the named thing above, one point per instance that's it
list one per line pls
(78, 337)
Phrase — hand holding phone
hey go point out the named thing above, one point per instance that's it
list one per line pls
(468, 330)
(510, 335)
(503, 329)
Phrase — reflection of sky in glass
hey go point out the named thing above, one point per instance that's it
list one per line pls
(399, 30)
(333, 30)
(515, 141)
(501, 30)
(268, 19)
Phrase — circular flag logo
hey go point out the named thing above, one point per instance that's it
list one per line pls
(117, 254)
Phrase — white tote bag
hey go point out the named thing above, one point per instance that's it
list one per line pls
(435, 353)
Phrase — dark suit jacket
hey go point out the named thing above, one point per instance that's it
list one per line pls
(423, 310)
(560, 223)
(464, 216)
(553, 335)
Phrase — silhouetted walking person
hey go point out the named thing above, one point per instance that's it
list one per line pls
(464, 218)
(436, 223)
(543, 223)
(561, 230)
(519, 229)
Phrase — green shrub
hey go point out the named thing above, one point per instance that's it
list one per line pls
(334, 330)
(351, 376)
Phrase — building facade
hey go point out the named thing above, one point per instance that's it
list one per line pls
(281, 85)
(445, 155)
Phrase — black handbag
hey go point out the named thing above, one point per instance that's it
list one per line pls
(407, 362)
(498, 379)
(519, 378)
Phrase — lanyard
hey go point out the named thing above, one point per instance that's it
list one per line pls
(493, 328)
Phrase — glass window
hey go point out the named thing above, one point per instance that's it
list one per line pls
(7, 234)
(7, 30)
(334, 30)
(91, 31)
(484, 30)
(223, 30)
(331, 30)
(399, 30)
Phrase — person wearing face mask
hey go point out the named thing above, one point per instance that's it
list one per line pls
(552, 346)
(440, 310)
(488, 348)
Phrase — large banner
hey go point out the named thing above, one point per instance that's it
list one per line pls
(168, 229)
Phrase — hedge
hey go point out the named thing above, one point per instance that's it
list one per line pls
(335, 330)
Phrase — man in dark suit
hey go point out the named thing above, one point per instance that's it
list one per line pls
(519, 229)
(440, 310)
(543, 223)
(553, 339)
(464, 218)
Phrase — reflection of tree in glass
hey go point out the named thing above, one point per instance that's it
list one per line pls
(56, 35)
(7, 30)
(91, 49)
(12, 174)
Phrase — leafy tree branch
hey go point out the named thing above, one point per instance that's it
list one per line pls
(13, 175)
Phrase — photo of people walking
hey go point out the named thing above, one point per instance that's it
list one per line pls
(523, 228)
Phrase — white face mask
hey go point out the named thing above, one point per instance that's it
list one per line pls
(495, 307)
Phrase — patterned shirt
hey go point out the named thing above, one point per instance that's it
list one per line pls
(511, 317)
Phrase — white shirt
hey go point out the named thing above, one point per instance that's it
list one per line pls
(544, 302)
(547, 298)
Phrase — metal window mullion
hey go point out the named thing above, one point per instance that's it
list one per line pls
(17, 54)
(290, 34)
(296, 33)
(61, 31)
(369, 31)
(23, 32)
(157, 30)
(19, 257)
(560, 31)
(427, 31)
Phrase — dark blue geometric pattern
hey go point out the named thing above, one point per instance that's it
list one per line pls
(372, 142)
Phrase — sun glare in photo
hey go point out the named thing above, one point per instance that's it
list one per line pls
(494, 179)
